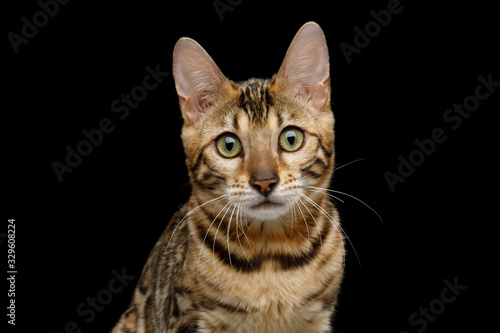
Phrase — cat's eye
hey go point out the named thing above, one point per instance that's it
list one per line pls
(228, 145)
(291, 139)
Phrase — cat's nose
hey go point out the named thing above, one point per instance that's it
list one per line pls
(264, 186)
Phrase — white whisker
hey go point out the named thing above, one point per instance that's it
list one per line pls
(228, 227)
(189, 213)
(317, 226)
(305, 222)
(238, 236)
(353, 197)
(293, 218)
(323, 191)
(344, 165)
(336, 225)
(248, 240)
(215, 237)
(205, 238)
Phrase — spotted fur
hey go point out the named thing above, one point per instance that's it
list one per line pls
(241, 257)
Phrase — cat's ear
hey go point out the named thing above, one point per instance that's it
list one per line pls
(305, 71)
(198, 80)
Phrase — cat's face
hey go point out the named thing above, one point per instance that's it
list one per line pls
(259, 145)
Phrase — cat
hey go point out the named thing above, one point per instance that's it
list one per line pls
(258, 246)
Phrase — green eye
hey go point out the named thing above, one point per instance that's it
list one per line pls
(229, 145)
(291, 139)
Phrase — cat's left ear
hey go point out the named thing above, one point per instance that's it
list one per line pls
(198, 80)
(305, 71)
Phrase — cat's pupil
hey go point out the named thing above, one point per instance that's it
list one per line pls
(229, 143)
(290, 137)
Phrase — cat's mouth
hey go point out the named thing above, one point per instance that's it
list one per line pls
(270, 207)
(267, 204)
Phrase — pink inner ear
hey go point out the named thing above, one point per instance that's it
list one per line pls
(320, 96)
(190, 110)
(306, 65)
(198, 80)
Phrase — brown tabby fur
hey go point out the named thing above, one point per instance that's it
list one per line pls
(220, 268)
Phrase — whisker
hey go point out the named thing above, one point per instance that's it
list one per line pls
(305, 222)
(188, 183)
(206, 235)
(343, 165)
(355, 198)
(189, 213)
(228, 227)
(323, 191)
(238, 236)
(336, 225)
(250, 243)
(293, 218)
(215, 237)
(317, 226)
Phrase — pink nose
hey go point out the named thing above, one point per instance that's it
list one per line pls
(265, 186)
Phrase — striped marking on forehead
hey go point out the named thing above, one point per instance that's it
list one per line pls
(255, 99)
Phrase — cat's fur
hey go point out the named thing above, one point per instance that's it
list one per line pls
(258, 247)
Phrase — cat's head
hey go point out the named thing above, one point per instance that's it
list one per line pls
(260, 143)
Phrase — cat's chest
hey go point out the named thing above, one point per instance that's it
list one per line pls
(269, 291)
(266, 303)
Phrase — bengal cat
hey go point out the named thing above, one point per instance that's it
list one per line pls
(258, 247)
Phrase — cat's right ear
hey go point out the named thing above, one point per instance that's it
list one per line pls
(198, 80)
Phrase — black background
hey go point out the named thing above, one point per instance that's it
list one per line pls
(108, 213)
